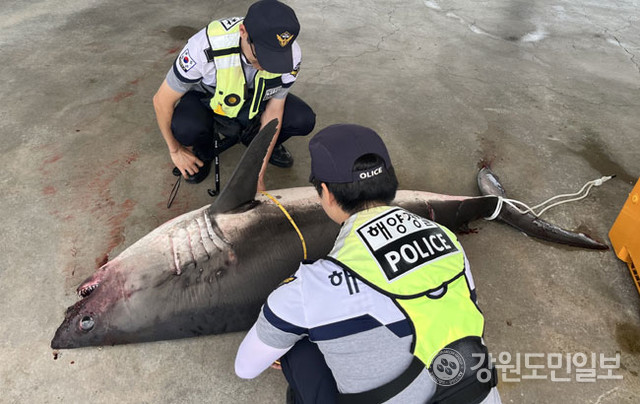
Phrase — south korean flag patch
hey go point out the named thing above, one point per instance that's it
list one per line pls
(185, 61)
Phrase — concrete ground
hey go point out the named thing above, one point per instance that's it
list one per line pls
(546, 90)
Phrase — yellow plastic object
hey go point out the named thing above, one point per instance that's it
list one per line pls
(625, 234)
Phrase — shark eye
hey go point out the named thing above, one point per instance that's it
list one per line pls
(87, 323)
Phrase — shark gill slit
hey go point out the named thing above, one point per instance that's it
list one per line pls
(184, 247)
(219, 242)
(181, 249)
(203, 238)
(190, 250)
(174, 253)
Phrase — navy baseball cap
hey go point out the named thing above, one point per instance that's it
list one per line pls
(335, 149)
(272, 27)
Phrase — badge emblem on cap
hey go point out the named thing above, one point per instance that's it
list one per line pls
(284, 38)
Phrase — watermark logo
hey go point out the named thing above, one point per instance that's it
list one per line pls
(580, 367)
(447, 367)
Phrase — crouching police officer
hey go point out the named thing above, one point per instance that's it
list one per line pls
(232, 78)
(390, 315)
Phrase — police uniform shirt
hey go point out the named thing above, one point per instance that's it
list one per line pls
(192, 71)
(364, 337)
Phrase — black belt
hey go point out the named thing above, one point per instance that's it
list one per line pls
(469, 390)
(386, 391)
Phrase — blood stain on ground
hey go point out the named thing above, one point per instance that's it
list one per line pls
(121, 96)
(49, 190)
(89, 204)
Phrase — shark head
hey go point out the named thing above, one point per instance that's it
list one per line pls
(89, 320)
(180, 265)
(149, 292)
(115, 300)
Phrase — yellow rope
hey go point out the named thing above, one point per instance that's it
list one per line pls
(304, 245)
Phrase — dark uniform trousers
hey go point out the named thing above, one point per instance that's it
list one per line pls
(193, 122)
(310, 379)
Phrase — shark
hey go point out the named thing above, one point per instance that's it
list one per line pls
(209, 271)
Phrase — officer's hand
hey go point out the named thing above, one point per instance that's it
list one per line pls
(186, 161)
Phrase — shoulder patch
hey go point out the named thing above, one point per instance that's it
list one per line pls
(186, 61)
(229, 23)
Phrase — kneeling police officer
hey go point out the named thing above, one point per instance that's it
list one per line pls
(390, 315)
(231, 79)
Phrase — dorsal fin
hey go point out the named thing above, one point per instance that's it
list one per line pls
(243, 184)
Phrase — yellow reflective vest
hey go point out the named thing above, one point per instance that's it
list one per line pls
(408, 258)
(231, 85)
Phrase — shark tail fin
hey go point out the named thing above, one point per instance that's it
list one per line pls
(489, 184)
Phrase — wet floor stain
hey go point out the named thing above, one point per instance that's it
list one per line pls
(181, 32)
(590, 232)
(628, 337)
(594, 151)
(489, 143)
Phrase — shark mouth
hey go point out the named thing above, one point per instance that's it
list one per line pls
(87, 288)
(90, 284)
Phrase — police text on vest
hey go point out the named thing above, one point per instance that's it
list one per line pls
(401, 242)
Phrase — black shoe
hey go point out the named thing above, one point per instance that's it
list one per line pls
(202, 173)
(281, 157)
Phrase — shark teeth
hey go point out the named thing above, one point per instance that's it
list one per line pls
(86, 291)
